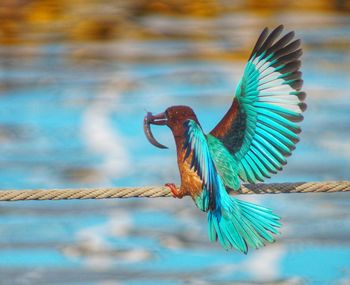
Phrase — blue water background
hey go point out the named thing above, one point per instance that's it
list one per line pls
(71, 116)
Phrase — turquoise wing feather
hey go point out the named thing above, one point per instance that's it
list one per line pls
(261, 127)
(224, 161)
(196, 143)
(236, 224)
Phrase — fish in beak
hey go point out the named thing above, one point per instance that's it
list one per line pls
(160, 120)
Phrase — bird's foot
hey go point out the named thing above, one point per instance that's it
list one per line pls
(173, 190)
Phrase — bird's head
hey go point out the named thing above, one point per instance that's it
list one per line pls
(173, 117)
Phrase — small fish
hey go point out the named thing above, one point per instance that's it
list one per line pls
(250, 143)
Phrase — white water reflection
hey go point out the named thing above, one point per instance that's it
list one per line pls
(101, 137)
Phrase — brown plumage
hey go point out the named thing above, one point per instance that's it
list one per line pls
(191, 183)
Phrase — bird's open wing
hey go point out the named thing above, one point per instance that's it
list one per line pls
(197, 145)
(260, 129)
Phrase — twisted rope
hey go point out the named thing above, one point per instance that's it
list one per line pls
(156, 191)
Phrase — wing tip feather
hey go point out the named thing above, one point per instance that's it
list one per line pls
(302, 96)
(302, 106)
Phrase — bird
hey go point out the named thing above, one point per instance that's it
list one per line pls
(249, 144)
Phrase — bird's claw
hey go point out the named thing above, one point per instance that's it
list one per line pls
(173, 190)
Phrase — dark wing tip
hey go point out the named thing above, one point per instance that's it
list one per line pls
(281, 27)
(297, 84)
(302, 106)
(281, 50)
(301, 96)
(260, 41)
(270, 39)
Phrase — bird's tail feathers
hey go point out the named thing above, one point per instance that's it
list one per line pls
(239, 224)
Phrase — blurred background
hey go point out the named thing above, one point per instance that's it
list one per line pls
(76, 79)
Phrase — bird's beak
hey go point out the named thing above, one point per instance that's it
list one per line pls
(149, 119)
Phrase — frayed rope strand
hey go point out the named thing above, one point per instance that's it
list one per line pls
(157, 191)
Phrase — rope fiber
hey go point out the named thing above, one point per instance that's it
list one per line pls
(157, 191)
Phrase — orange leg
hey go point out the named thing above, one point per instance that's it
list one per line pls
(174, 191)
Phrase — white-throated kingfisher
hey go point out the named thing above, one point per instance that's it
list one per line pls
(250, 143)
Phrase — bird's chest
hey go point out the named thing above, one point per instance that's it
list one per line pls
(191, 183)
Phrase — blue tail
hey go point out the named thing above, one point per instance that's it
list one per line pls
(239, 224)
